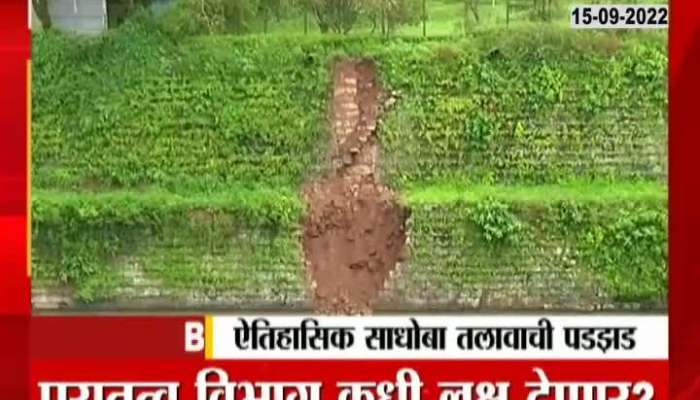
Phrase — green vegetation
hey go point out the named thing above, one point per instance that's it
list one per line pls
(545, 244)
(564, 254)
(589, 192)
(207, 113)
(188, 246)
(170, 167)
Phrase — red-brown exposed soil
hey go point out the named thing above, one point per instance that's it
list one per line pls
(355, 232)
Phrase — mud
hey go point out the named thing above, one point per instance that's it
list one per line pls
(355, 231)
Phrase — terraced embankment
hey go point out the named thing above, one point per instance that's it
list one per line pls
(534, 179)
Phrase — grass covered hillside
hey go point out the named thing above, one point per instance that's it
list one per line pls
(169, 170)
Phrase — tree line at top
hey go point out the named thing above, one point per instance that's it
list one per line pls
(324, 16)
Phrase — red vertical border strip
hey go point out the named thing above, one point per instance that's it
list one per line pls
(684, 194)
(15, 287)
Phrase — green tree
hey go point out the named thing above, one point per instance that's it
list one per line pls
(41, 7)
(268, 10)
(387, 15)
(338, 16)
(118, 11)
(239, 14)
(470, 6)
(213, 16)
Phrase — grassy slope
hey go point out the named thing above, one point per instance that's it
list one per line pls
(206, 114)
(181, 178)
(283, 207)
(203, 248)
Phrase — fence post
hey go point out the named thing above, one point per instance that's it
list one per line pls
(306, 21)
(425, 17)
(507, 13)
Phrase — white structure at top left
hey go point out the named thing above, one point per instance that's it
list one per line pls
(78, 16)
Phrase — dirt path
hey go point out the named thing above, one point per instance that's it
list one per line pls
(355, 232)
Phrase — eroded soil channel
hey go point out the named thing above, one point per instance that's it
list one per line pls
(355, 231)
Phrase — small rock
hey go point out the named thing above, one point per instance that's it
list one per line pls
(359, 265)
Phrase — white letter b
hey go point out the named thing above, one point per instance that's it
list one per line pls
(194, 336)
